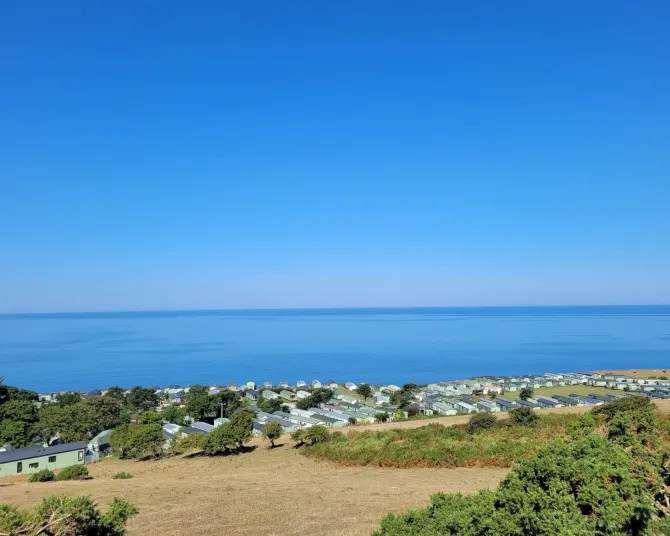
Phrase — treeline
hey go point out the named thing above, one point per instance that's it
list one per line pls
(24, 420)
(609, 476)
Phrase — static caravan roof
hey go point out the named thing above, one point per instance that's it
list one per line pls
(486, 404)
(504, 403)
(39, 451)
(566, 400)
(526, 403)
(547, 400)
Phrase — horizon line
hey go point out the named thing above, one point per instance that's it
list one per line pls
(337, 308)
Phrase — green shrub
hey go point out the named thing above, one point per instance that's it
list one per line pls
(381, 416)
(73, 472)
(524, 416)
(299, 437)
(317, 434)
(122, 476)
(45, 475)
(481, 421)
(59, 515)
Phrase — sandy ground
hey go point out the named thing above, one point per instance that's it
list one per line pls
(276, 492)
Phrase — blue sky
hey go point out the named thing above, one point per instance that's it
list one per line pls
(161, 155)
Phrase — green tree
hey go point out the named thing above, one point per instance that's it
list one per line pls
(493, 395)
(226, 398)
(272, 432)
(15, 433)
(352, 420)
(405, 396)
(364, 390)
(150, 417)
(142, 399)
(108, 412)
(21, 394)
(198, 402)
(116, 393)
(299, 437)
(59, 515)
(316, 434)
(381, 416)
(174, 415)
(269, 405)
(524, 416)
(68, 399)
(241, 424)
(315, 399)
(138, 441)
(19, 410)
(526, 393)
(75, 422)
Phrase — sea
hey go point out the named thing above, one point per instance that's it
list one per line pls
(50, 352)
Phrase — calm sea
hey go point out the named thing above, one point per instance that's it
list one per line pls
(82, 351)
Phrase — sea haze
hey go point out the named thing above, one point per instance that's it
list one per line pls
(82, 351)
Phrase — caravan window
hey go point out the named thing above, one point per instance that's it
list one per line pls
(81, 455)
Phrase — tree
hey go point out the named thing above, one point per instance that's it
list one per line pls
(404, 397)
(526, 393)
(315, 399)
(230, 436)
(174, 415)
(481, 421)
(269, 405)
(524, 416)
(150, 417)
(364, 390)
(198, 403)
(117, 393)
(493, 395)
(19, 410)
(299, 437)
(138, 441)
(75, 422)
(23, 395)
(108, 412)
(272, 432)
(59, 515)
(142, 399)
(227, 399)
(352, 420)
(381, 416)
(15, 433)
(316, 434)
(68, 399)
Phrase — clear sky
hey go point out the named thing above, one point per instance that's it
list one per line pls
(233, 154)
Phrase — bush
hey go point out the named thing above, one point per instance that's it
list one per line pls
(45, 475)
(526, 393)
(352, 420)
(272, 431)
(122, 476)
(73, 472)
(63, 516)
(524, 416)
(381, 417)
(481, 421)
(316, 434)
(299, 437)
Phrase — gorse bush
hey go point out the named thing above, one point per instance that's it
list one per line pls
(59, 515)
(45, 475)
(122, 476)
(481, 421)
(610, 479)
(73, 472)
(523, 416)
(435, 445)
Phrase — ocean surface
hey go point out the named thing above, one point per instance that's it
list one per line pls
(83, 351)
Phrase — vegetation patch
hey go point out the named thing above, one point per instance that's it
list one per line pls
(608, 476)
(484, 442)
(74, 472)
(59, 515)
(123, 475)
(45, 475)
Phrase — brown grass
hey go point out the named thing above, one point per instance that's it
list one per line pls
(276, 492)
(638, 373)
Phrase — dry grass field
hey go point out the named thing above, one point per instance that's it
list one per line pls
(276, 492)
(638, 373)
